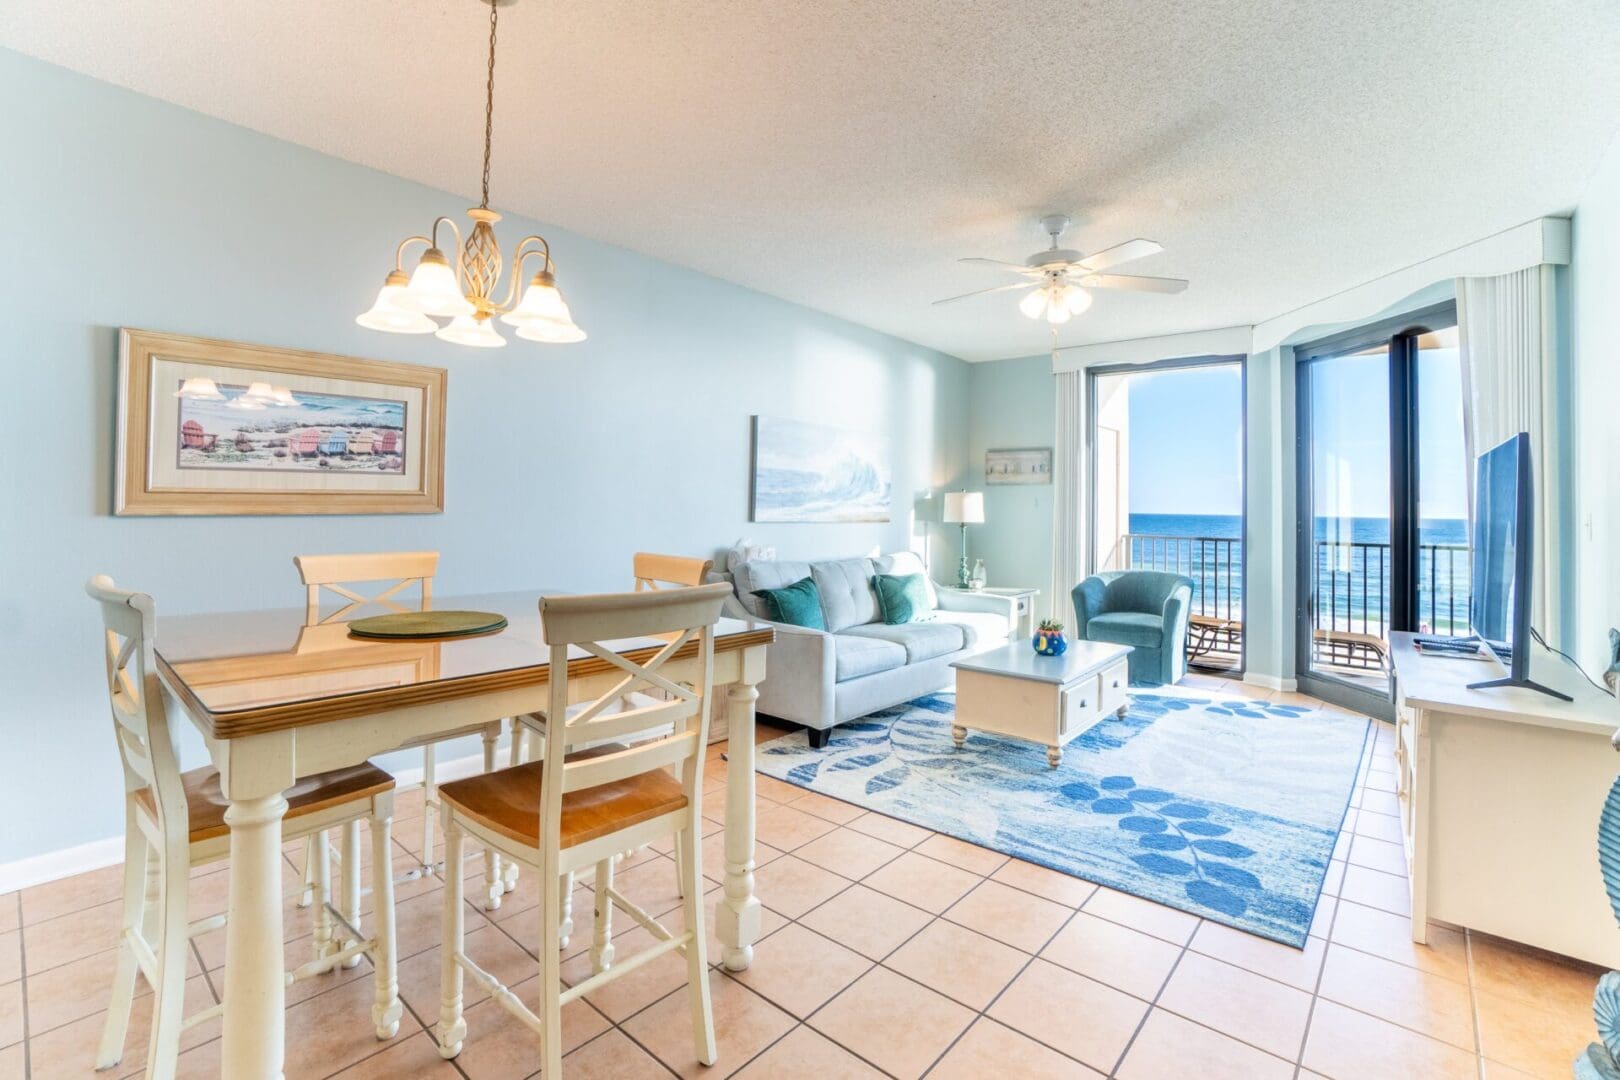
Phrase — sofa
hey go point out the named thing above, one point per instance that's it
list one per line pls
(1146, 609)
(858, 665)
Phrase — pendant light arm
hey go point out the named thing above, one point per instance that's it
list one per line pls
(461, 277)
(399, 252)
(514, 287)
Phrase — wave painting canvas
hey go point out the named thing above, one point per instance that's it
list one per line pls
(811, 472)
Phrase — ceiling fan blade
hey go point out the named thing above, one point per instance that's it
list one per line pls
(981, 292)
(1132, 282)
(999, 264)
(1121, 253)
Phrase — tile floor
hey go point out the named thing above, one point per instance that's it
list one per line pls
(890, 951)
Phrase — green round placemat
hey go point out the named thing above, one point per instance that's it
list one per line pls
(427, 624)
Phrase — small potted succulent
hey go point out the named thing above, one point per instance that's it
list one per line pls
(1049, 639)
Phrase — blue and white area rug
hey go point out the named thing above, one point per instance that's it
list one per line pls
(1222, 806)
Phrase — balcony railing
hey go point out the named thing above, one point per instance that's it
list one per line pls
(1352, 590)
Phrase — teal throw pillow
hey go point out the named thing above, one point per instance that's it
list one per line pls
(798, 604)
(903, 598)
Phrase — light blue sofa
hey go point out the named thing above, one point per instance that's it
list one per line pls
(858, 665)
(1146, 609)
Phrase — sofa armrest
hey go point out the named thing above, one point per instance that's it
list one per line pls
(800, 667)
(1088, 601)
(990, 603)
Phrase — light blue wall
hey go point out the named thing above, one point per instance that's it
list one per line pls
(119, 210)
(1012, 407)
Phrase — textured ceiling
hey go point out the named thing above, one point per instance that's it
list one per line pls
(843, 154)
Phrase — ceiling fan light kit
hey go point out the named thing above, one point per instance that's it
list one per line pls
(1060, 279)
(464, 290)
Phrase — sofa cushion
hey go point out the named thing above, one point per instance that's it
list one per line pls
(921, 640)
(846, 592)
(758, 574)
(902, 598)
(798, 604)
(1127, 628)
(906, 562)
(986, 628)
(855, 656)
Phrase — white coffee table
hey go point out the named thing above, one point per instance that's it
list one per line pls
(1045, 699)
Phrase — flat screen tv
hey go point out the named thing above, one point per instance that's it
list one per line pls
(1499, 604)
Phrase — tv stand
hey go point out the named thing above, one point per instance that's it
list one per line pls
(1528, 684)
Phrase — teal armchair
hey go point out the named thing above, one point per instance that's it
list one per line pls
(1146, 609)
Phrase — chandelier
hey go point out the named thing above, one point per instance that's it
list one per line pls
(464, 289)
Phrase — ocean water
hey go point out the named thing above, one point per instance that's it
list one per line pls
(1352, 567)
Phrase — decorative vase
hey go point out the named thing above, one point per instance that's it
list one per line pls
(979, 578)
(1050, 642)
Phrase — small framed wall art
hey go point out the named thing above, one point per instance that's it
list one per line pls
(1029, 465)
(218, 427)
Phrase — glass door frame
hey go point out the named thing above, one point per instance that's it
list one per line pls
(1241, 360)
(1400, 334)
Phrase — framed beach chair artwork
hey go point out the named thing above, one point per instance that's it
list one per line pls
(217, 427)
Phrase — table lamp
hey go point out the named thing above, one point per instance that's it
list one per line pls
(963, 508)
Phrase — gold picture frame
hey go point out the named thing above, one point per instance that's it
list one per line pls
(340, 436)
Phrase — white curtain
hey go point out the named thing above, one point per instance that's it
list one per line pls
(1068, 494)
(1508, 329)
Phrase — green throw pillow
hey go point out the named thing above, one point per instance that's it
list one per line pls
(798, 604)
(902, 598)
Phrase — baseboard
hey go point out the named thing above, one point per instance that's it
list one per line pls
(1270, 682)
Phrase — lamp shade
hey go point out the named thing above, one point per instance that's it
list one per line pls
(964, 508)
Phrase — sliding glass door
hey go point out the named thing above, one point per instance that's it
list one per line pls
(1382, 496)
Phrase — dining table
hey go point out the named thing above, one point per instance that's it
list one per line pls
(277, 700)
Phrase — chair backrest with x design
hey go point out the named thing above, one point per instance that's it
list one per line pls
(338, 573)
(140, 721)
(655, 571)
(675, 621)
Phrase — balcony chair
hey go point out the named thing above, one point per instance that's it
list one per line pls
(1145, 609)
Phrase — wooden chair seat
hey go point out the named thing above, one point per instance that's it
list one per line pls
(508, 802)
(207, 804)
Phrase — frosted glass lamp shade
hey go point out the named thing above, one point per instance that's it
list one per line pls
(395, 312)
(199, 389)
(1076, 300)
(466, 330)
(541, 300)
(964, 508)
(551, 333)
(434, 289)
(1033, 304)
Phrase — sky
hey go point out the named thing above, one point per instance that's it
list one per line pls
(1186, 439)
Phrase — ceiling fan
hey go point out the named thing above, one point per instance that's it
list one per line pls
(1061, 276)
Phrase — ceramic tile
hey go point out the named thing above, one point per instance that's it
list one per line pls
(623, 997)
(1009, 915)
(67, 895)
(900, 833)
(799, 970)
(71, 937)
(970, 857)
(1429, 1004)
(1350, 1045)
(959, 963)
(1246, 1006)
(923, 882)
(1062, 888)
(1077, 1016)
(612, 1056)
(792, 886)
(11, 1014)
(1144, 915)
(992, 1049)
(1374, 888)
(848, 853)
(1390, 936)
(1378, 855)
(13, 1063)
(823, 806)
(1538, 1039)
(1378, 826)
(10, 911)
(869, 922)
(1511, 970)
(804, 1054)
(416, 1056)
(495, 952)
(1284, 963)
(1322, 921)
(1169, 1045)
(499, 1046)
(894, 1023)
(714, 854)
(10, 956)
(1124, 958)
(744, 1024)
(66, 993)
(70, 1050)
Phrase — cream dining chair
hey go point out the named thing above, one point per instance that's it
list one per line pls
(175, 821)
(567, 810)
(340, 574)
(652, 572)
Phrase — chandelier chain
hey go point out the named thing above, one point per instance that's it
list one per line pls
(489, 100)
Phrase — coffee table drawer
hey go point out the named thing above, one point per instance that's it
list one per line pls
(1114, 683)
(1080, 707)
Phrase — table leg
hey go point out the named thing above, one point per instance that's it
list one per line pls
(255, 993)
(736, 916)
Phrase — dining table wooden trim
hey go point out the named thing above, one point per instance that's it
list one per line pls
(239, 723)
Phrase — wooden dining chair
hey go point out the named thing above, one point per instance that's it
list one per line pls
(566, 811)
(400, 570)
(652, 572)
(175, 821)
